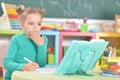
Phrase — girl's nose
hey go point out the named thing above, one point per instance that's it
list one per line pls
(35, 26)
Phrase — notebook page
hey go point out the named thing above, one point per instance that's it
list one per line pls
(46, 70)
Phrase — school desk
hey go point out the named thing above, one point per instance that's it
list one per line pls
(21, 75)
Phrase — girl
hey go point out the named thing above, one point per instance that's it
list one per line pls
(28, 44)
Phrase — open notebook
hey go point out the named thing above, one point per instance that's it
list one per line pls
(80, 57)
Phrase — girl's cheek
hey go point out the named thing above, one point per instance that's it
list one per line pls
(30, 29)
(39, 29)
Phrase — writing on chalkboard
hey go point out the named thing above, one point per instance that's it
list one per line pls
(54, 2)
(118, 3)
(94, 9)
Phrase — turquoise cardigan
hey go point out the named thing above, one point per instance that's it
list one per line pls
(21, 47)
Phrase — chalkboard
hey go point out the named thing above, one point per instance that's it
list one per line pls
(93, 9)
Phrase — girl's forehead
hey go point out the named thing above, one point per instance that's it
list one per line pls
(36, 17)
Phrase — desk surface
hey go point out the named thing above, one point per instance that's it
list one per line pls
(21, 75)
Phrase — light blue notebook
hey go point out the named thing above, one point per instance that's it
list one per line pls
(81, 56)
(110, 74)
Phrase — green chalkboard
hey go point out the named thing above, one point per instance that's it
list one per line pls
(93, 9)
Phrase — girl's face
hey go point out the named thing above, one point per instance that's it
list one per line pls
(32, 23)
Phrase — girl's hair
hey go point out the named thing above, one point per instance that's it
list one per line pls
(23, 12)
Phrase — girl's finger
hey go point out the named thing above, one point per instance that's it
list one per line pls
(35, 34)
(35, 64)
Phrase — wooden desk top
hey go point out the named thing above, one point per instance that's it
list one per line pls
(21, 75)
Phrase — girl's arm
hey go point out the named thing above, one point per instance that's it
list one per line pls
(9, 63)
(41, 53)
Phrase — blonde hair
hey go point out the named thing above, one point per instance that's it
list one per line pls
(23, 12)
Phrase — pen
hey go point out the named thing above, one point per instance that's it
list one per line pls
(28, 60)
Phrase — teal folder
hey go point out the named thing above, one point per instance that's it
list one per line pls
(81, 56)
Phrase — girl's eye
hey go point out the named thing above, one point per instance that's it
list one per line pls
(39, 24)
(30, 23)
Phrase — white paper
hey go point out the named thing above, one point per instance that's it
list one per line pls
(46, 70)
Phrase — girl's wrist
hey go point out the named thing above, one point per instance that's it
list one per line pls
(41, 41)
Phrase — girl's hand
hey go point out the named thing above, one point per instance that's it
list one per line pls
(36, 37)
(30, 67)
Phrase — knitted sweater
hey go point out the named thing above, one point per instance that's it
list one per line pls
(21, 47)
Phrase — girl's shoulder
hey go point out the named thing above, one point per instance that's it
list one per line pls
(17, 36)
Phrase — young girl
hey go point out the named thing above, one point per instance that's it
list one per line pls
(28, 44)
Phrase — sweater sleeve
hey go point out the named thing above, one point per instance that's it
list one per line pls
(9, 63)
(41, 53)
